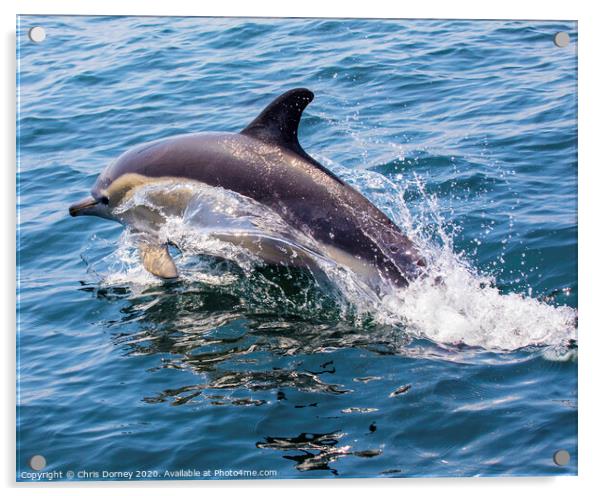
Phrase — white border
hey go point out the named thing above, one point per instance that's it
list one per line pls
(590, 346)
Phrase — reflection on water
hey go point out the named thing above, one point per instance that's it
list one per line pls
(230, 341)
(318, 450)
(214, 331)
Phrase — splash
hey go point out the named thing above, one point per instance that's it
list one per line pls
(452, 304)
(469, 309)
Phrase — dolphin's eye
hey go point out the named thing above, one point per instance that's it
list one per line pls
(104, 200)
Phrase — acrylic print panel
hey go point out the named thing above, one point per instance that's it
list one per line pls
(297, 248)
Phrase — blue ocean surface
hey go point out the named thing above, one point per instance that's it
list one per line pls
(463, 132)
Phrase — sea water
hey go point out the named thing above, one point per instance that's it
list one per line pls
(463, 132)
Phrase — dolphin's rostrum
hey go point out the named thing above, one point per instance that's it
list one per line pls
(263, 162)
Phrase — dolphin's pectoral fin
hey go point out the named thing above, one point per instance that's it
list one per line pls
(157, 260)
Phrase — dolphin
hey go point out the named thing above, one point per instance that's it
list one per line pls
(265, 163)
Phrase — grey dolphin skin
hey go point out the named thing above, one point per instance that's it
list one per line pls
(265, 163)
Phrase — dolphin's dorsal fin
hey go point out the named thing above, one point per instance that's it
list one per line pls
(279, 121)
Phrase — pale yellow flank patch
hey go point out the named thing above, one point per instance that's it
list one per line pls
(122, 188)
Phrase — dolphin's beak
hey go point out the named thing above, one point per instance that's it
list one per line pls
(82, 207)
